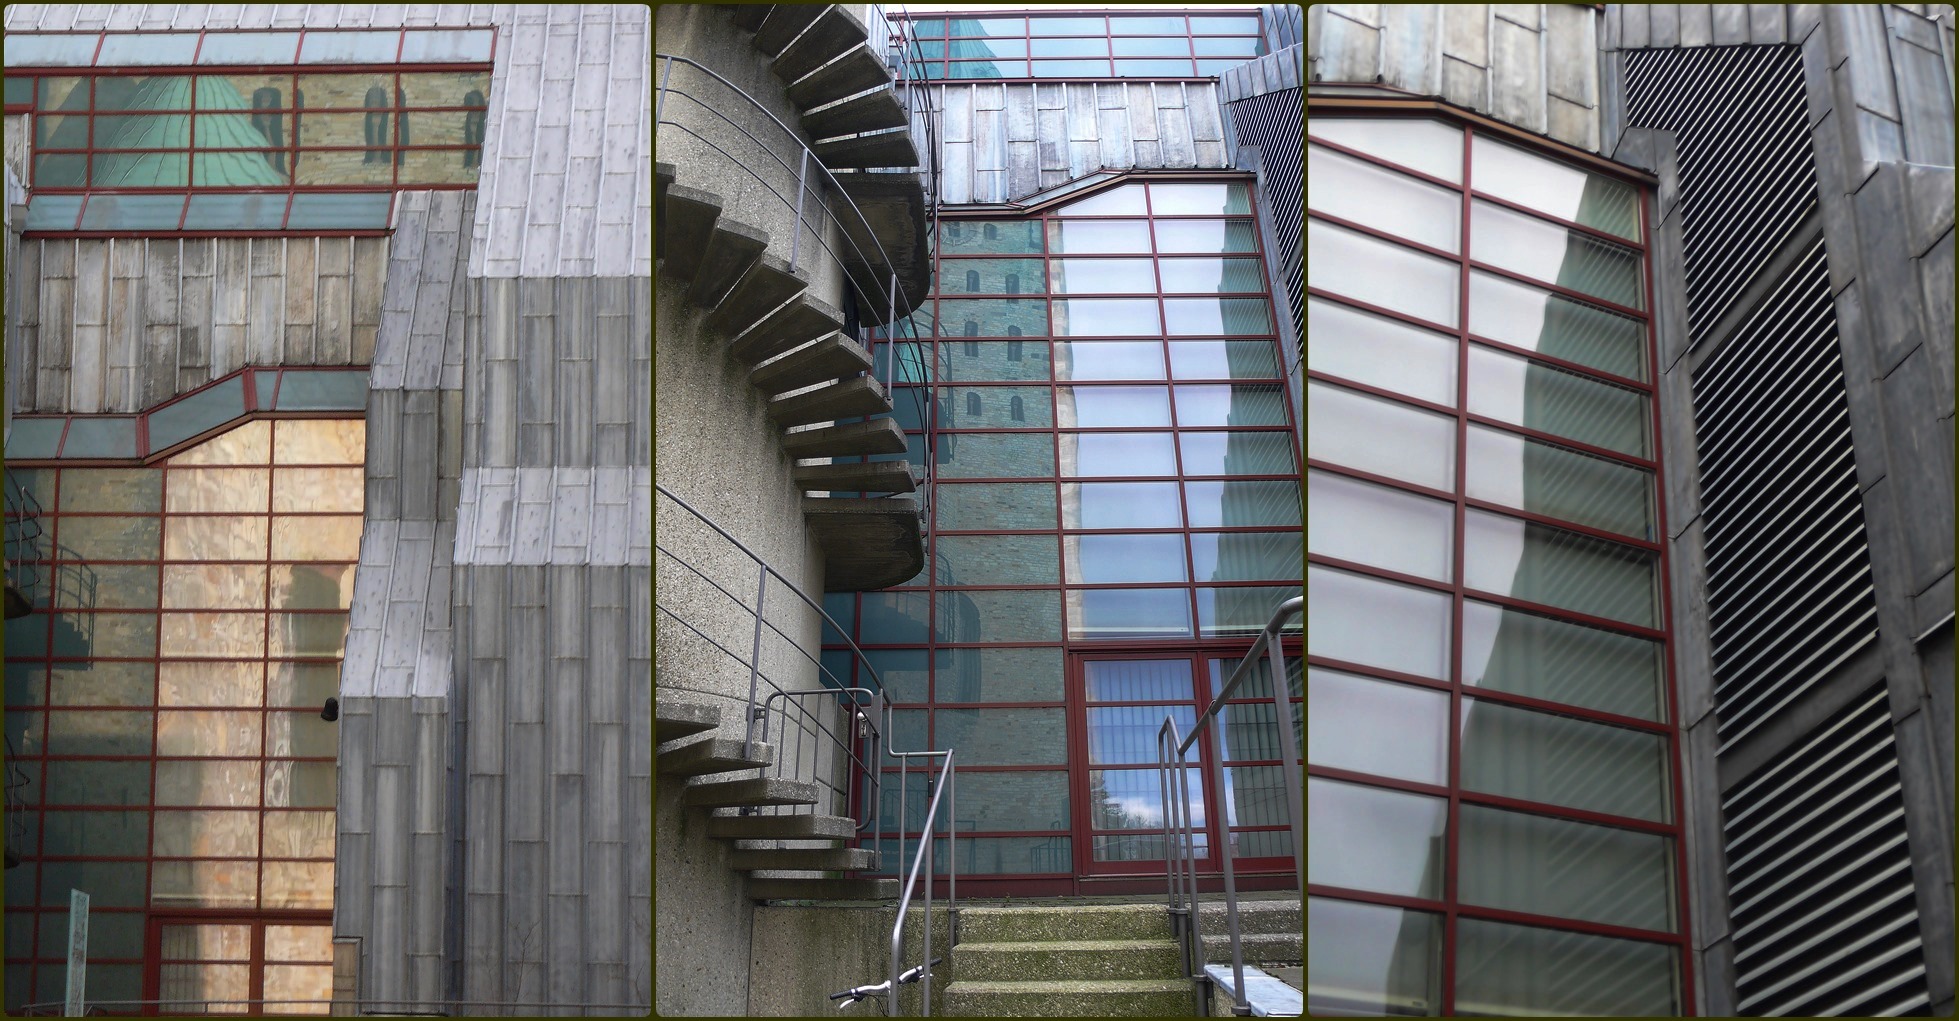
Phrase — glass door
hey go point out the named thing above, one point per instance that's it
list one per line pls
(1122, 704)
(219, 964)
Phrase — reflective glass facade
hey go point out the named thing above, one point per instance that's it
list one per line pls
(1493, 756)
(164, 707)
(1116, 512)
(1160, 44)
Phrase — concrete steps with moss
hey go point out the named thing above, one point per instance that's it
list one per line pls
(1067, 961)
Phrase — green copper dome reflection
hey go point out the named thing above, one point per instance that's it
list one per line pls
(138, 129)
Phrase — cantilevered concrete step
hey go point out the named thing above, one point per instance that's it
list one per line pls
(879, 436)
(688, 223)
(731, 249)
(674, 720)
(781, 827)
(855, 71)
(894, 206)
(714, 755)
(870, 542)
(803, 319)
(1070, 922)
(803, 859)
(663, 178)
(833, 32)
(783, 23)
(757, 791)
(1072, 998)
(832, 357)
(868, 477)
(851, 398)
(872, 111)
(767, 284)
(1255, 916)
(1080, 959)
(885, 149)
(748, 17)
(822, 889)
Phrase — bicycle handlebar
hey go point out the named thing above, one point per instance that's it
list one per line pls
(860, 992)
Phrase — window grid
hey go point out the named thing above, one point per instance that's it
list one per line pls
(1189, 63)
(1461, 694)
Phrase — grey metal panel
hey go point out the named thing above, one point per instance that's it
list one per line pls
(1466, 32)
(1857, 33)
(1519, 81)
(1696, 24)
(1571, 70)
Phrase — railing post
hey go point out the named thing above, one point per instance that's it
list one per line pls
(660, 111)
(796, 239)
(891, 334)
(1289, 752)
(755, 658)
(1222, 814)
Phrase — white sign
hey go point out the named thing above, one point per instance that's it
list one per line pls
(77, 952)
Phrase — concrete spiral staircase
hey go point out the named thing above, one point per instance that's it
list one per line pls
(703, 765)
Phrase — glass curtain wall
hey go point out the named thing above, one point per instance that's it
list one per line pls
(163, 711)
(1116, 473)
(1492, 759)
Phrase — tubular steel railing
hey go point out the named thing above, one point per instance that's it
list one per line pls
(1179, 840)
(189, 1006)
(923, 859)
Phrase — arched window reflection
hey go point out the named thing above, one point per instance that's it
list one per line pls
(973, 405)
(1018, 410)
(972, 281)
(473, 124)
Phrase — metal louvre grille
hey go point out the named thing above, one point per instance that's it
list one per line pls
(1789, 576)
(1271, 122)
(1747, 176)
(1820, 876)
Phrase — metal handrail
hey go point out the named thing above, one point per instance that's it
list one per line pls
(921, 859)
(432, 1008)
(1183, 881)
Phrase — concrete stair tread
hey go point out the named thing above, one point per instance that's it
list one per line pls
(832, 32)
(732, 248)
(878, 436)
(1065, 923)
(783, 23)
(894, 204)
(850, 398)
(803, 319)
(802, 859)
(1099, 985)
(855, 71)
(781, 827)
(674, 720)
(853, 888)
(871, 111)
(1071, 946)
(753, 791)
(863, 477)
(664, 175)
(714, 755)
(871, 542)
(829, 358)
(748, 17)
(687, 220)
(883, 149)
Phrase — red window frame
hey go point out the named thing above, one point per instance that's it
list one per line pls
(943, 64)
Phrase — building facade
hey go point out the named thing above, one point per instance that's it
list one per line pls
(1643, 559)
(328, 500)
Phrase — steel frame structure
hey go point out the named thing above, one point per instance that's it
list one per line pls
(942, 64)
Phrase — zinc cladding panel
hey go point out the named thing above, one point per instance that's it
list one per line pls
(1820, 875)
(1789, 574)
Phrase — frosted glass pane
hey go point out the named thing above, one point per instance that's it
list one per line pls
(1558, 482)
(1120, 505)
(1368, 959)
(1378, 526)
(1118, 559)
(1385, 841)
(1535, 319)
(1545, 866)
(1558, 401)
(1511, 557)
(1526, 654)
(1380, 436)
(1557, 188)
(1430, 147)
(1557, 760)
(1509, 970)
(1103, 317)
(1380, 352)
(1370, 195)
(1117, 454)
(1370, 726)
(1108, 359)
(1126, 200)
(1559, 255)
(1377, 623)
(1103, 276)
(1367, 269)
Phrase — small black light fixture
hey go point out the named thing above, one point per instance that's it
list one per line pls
(331, 711)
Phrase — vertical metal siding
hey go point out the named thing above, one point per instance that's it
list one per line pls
(1271, 122)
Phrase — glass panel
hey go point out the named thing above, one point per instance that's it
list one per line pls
(220, 538)
(52, 212)
(1149, 47)
(1117, 454)
(999, 455)
(1230, 405)
(206, 409)
(987, 69)
(1123, 200)
(992, 360)
(987, 27)
(298, 835)
(1242, 504)
(1536, 319)
(213, 634)
(306, 634)
(1136, 25)
(1372, 196)
(1196, 317)
(1243, 25)
(1377, 623)
(316, 538)
(1371, 726)
(207, 782)
(1119, 559)
(1551, 480)
(991, 237)
(1389, 841)
(1535, 756)
(1546, 866)
(302, 684)
(1255, 795)
(1369, 959)
(321, 442)
(234, 490)
(1113, 407)
(1558, 568)
(1127, 734)
(1511, 970)
(893, 618)
(1119, 505)
(32, 49)
(111, 538)
(996, 560)
(199, 683)
(1220, 276)
(249, 48)
(1380, 352)
(1205, 236)
(1067, 26)
(1237, 453)
(217, 587)
(1143, 847)
(20, 91)
(1049, 855)
(1380, 436)
(996, 506)
(993, 407)
(1559, 255)
(1106, 317)
(1557, 401)
(250, 443)
(1245, 556)
(1557, 188)
(350, 47)
(1003, 737)
(135, 212)
(992, 317)
(346, 210)
(60, 171)
(36, 437)
(1194, 198)
(1382, 275)
(1018, 800)
(1132, 799)
(999, 675)
(99, 783)
(344, 166)
(149, 48)
(1239, 611)
(204, 884)
(1030, 616)
(299, 884)
(1246, 48)
(1118, 237)
(198, 988)
(1379, 527)
(216, 834)
(1129, 613)
(1109, 361)
(317, 489)
(1433, 148)
(449, 46)
(127, 588)
(301, 785)
(1137, 680)
(1104, 276)
(1526, 654)
(114, 636)
(117, 934)
(233, 211)
(1071, 69)
(991, 276)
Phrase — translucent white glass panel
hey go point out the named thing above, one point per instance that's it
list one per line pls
(1523, 653)
(1373, 196)
(1376, 623)
(1353, 265)
(1559, 760)
(1559, 255)
(1533, 318)
(1367, 959)
(1104, 276)
(1378, 526)
(1126, 200)
(1546, 479)
(1380, 436)
(1378, 727)
(1557, 188)
(1374, 839)
(1509, 970)
(1554, 400)
(1523, 862)
(1106, 317)
(1380, 352)
(1431, 147)
(1558, 568)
